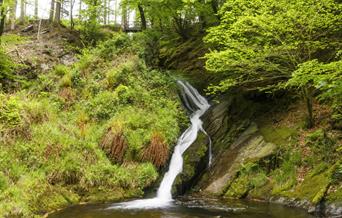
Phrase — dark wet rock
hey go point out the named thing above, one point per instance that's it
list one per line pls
(195, 162)
(333, 209)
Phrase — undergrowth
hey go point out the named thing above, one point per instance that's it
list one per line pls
(104, 125)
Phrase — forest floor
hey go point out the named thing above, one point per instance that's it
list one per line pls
(53, 46)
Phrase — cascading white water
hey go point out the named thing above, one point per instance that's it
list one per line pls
(164, 196)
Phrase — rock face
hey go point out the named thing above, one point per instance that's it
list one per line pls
(238, 141)
(223, 125)
(248, 147)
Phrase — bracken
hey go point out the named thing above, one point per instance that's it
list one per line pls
(157, 152)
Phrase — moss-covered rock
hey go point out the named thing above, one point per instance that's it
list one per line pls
(195, 162)
(314, 186)
(239, 188)
(249, 147)
(335, 194)
(55, 198)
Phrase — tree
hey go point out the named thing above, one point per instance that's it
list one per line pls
(90, 19)
(185, 17)
(105, 11)
(79, 9)
(124, 14)
(72, 4)
(2, 18)
(13, 14)
(259, 44)
(313, 75)
(142, 17)
(58, 11)
(36, 3)
(22, 11)
(52, 10)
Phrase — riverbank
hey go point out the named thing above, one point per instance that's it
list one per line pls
(261, 151)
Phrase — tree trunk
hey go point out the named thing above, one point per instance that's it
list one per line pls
(52, 10)
(13, 14)
(308, 97)
(124, 18)
(105, 11)
(215, 6)
(58, 11)
(115, 12)
(2, 18)
(142, 17)
(22, 11)
(36, 9)
(72, 23)
(108, 13)
(79, 10)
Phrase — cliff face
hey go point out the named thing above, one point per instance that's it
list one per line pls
(263, 154)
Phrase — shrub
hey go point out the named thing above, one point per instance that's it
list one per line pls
(7, 74)
(10, 111)
(119, 43)
(60, 70)
(102, 106)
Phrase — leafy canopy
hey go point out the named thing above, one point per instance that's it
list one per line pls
(260, 43)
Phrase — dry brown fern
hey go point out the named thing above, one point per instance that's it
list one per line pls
(157, 151)
(114, 144)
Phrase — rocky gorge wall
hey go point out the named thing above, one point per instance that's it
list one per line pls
(256, 156)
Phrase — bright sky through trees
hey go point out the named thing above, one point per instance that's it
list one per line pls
(44, 9)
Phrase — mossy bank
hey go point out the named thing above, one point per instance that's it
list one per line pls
(85, 133)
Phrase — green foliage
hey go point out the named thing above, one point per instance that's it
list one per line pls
(182, 17)
(323, 146)
(259, 44)
(7, 68)
(285, 176)
(10, 110)
(314, 186)
(323, 77)
(50, 155)
(102, 106)
(118, 43)
(9, 40)
(90, 24)
(250, 178)
(61, 70)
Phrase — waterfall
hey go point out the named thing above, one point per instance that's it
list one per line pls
(198, 105)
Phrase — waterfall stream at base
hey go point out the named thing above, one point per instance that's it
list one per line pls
(198, 105)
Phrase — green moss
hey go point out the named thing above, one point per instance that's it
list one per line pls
(239, 188)
(55, 198)
(313, 187)
(105, 195)
(250, 178)
(285, 177)
(335, 195)
(279, 135)
(262, 192)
